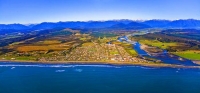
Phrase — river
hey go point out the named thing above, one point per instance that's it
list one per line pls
(164, 56)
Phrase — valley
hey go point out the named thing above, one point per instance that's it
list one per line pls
(98, 46)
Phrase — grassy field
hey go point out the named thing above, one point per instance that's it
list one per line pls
(65, 33)
(41, 48)
(98, 34)
(87, 44)
(127, 47)
(83, 39)
(24, 58)
(44, 45)
(157, 43)
(132, 52)
(114, 52)
(49, 42)
(189, 54)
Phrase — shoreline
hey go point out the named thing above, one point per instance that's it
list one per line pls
(161, 65)
(196, 61)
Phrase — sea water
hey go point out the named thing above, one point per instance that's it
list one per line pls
(65, 78)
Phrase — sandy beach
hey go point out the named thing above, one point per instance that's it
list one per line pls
(158, 65)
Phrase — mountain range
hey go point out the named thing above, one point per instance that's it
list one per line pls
(114, 24)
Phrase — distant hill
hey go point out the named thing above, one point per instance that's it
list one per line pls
(79, 24)
(50, 25)
(117, 24)
(98, 24)
(190, 23)
(132, 25)
(157, 23)
(13, 26)
(135, 25)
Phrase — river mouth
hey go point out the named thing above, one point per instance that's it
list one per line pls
(163, 56)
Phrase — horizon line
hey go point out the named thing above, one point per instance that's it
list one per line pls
(139, 20)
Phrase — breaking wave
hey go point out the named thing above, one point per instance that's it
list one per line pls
(78, 70)
(69, 65)
(60, 71)
(55, 66)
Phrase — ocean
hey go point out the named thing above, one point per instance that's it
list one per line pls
(80, 78)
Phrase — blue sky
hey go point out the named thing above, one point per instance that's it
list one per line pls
(36, 11)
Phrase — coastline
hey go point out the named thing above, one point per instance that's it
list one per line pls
(196, 61)
(160, 65)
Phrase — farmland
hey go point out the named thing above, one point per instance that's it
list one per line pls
(174, 41)
(71, 45)
(156, 43)
(68, 45)
(189, 54)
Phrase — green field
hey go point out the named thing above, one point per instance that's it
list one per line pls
(128, 48)
(132, 52)
(23, 58)
(98, 34)
(66, 33)
(159, 44)
(189, 54)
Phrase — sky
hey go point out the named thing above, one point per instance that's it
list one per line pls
(37, 11)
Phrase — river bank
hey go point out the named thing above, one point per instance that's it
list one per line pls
(163, 56)
(197, 62)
